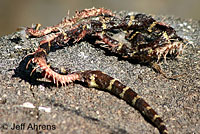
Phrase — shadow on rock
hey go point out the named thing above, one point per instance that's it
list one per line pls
(24, 72)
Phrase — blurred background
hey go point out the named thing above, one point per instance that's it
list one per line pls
(23, 13)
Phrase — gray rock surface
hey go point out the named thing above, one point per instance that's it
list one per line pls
(76, 109)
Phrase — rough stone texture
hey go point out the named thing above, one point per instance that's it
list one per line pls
(77, 109)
